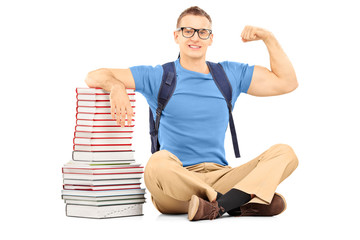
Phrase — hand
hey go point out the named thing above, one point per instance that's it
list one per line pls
(251, 33)
(120, 105)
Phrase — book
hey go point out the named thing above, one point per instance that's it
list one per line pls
(111, 211)
(101, 187)
(99, 97)
(82, 128)
(87, 141)
(102, 176)
(96, 116)
(105, 193)
(110, 164)
(96, 122)
(103, 198)
(102, 170)
(97, 103)
(105, 203)
(80, 90)
(81, 182)
(109, 157)
(90, 134)
(101, 148)
(103, 109)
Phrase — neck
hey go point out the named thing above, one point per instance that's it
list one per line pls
(195, 65)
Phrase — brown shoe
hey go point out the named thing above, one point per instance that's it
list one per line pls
(277, 206)
(200, 209)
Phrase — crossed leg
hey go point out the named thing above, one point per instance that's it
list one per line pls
(171, 185)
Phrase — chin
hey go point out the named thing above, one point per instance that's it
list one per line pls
(194, 55)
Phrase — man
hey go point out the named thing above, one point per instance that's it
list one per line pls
(190, 173)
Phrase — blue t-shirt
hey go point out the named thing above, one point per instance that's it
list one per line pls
(194, 122)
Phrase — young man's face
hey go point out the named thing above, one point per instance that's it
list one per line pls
(193, 47)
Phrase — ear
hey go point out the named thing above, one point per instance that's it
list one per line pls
(211, 39)
(176, 36)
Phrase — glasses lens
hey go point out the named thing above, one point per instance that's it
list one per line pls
(204, 33)
(188, 32)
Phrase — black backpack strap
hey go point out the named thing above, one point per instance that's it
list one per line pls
(166, 90)
(223, 83)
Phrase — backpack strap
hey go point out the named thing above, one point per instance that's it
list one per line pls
(223, 83)
(166, 90)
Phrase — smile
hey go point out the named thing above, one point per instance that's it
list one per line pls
(194, 46)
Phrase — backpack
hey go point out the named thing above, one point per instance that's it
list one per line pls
(167, 89)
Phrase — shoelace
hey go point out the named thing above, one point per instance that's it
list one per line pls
(215, 212)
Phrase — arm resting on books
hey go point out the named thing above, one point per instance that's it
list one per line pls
(114, 81)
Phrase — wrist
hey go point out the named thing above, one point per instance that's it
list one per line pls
(114, 85)
(269, 37)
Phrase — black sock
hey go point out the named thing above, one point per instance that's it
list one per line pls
(218, 195)
(233, 199)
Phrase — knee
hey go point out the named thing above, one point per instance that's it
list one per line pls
(157, 163)
(288, 151)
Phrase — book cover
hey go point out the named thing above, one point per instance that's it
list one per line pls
(106, 203)
(102, 176)
(104, 109)
(80, 182)
(101, 187)
(81, 90)
(97, 103)
(99, 97)
(105, 193)
(109, 157)
(103, 211)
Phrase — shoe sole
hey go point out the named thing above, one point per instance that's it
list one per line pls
(193, 207)
(283, 201)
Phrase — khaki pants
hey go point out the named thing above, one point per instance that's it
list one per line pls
(171, 185)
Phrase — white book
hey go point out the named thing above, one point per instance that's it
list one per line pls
(102, 188)
(101, 157)
(106, 198)
(101, 148)
(98, 90)
(83, 134)
(100, 97)
(103, 193)
(96, 170)
(102, 176)
(96, 116)
(100, 165)
(103, 211)
(89, 141)
(101, 182)
(97, 109)
(104, 128)
(109, 122)
(106, 203)
(105, 103)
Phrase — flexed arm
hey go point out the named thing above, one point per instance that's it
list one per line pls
(281, 78)
(115, 81)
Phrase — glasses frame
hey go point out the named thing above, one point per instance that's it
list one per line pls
(195, 30)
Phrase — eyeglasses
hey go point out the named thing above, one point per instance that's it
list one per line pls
(188, 32)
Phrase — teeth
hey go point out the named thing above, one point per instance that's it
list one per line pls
(192, 46)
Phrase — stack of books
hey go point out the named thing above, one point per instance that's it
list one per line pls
(102, 180)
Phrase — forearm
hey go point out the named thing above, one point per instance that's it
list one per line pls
(279, 61)
(102, 78)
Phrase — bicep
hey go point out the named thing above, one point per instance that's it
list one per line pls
(266, 83)
(124, 75)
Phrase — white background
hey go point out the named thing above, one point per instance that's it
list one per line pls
(48, 47)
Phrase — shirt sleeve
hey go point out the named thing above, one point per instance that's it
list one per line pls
(240, 74)
(147, 80)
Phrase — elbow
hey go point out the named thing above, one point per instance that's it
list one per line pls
(95, 78)
(291, 86)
